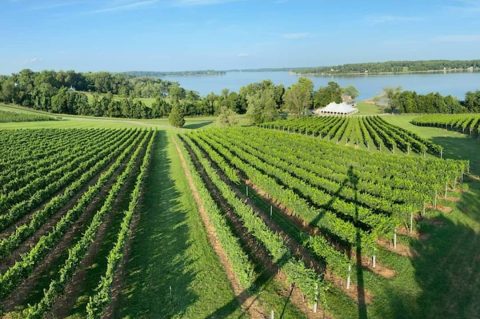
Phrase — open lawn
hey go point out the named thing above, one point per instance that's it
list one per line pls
(366, 108)
(75, 121)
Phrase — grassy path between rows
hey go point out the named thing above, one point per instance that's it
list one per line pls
(172, 271)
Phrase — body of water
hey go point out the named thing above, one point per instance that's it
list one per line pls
(456, 84)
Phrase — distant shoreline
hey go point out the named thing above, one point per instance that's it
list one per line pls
(297, 73)
(385, 73)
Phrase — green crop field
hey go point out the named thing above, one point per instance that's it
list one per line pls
(124, 218)
(370, 132)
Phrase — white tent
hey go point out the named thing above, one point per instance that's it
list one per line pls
(336, 109)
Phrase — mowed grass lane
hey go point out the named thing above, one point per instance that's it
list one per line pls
(172, 271)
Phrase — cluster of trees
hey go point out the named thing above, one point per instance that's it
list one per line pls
(395, 67)
(120, 95)
(65, 92)
(412, 102)
(269, 101)
(113, 95)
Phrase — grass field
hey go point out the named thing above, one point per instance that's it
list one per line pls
(365, 108)
(74, 121)
(173, 272)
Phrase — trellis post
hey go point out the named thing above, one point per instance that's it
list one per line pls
(411, 222)
(349, 274)
(395, 238)
(315, 305)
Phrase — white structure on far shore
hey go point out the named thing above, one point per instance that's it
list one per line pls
(336, 109)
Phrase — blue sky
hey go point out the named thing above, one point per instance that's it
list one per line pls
(171, 35)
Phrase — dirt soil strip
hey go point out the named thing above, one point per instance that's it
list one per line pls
(441, 208)
(248, 302)
(258, 251)
(401, 249)
(404, 231)
(21, 293)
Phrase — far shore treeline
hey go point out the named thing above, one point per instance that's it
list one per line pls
(395, 67)
(127, 96)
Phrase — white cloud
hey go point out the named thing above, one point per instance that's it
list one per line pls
(243, 55)
(458, 38)
(295, 35)
(391, 19)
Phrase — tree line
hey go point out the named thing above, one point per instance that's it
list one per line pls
(395, 67)
(114, 95)
(412, 102)
(119, 95)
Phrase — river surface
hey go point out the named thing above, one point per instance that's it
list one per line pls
(456, 84)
